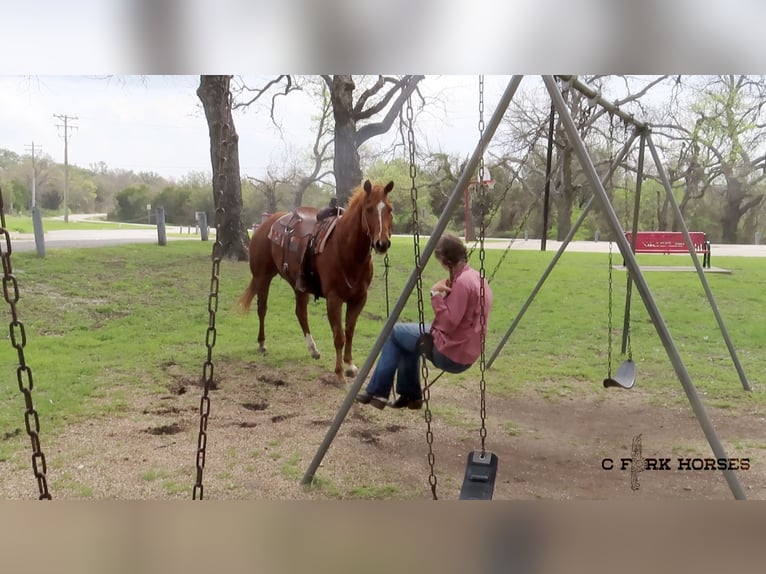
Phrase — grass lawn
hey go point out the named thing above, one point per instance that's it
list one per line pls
(99, 319)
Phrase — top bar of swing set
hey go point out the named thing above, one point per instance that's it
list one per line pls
(595, 97)
(441, 225)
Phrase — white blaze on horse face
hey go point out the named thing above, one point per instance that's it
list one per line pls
(381, 207)
(312, 346)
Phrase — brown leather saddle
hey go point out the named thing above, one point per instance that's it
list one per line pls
(301, 235)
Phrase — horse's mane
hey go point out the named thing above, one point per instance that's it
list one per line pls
(356, 199)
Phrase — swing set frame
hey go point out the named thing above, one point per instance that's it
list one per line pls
(640, 128)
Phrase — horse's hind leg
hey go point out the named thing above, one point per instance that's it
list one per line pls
(262, 294)
(302, 312)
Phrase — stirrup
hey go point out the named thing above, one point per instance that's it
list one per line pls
(479, 480)
(625, 377)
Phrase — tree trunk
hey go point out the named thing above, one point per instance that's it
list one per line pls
(213, 92)
(732, 209)
(729, 223)
(348, 174)
(300, 191)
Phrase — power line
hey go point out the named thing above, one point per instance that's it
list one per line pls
(65, 118)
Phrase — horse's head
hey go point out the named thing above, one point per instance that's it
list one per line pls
(377, 215)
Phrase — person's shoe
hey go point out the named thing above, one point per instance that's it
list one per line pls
(377, 402)
(406, 401)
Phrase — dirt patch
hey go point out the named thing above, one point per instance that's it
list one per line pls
(265, 429)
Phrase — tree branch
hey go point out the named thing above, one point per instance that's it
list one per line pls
(371, 130)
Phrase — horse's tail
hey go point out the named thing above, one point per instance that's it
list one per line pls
(247, 297)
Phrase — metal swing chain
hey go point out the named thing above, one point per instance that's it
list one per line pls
(482, 272)
(507, 250)
(419, 285)
(490, 217)
(627, 219)
(212, 307)
(609, 321)
(18, 338)
(386, 266)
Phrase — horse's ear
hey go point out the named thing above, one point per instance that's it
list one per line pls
(389, 187)
(367, 186)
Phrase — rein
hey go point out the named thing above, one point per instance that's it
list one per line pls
(366, 229)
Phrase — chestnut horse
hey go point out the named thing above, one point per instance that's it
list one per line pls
(340, 270)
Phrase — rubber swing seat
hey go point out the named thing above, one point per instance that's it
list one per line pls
(480, 472)
(625, 377)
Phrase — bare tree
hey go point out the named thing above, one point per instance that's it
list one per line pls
(320, 150)
(685, 172)
(353, 118)
(268, 187)
(723, 137)
(527, 138)
(215, 94)
(387, 93)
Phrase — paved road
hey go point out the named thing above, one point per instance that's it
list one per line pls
(105, 237)
(99, 237)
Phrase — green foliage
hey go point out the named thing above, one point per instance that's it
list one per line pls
(131, 204)
(177, 205)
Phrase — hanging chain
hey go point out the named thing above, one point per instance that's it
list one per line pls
(23, 372)
(482, 272)
(419, 284)
(496, 207)
(386, 265)
(212, 305)
(611, 194)
(627, 221)
(515, 235)
(609, 319)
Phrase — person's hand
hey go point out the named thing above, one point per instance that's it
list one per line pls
(442, 287)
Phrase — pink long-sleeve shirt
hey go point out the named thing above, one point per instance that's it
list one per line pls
(456, 327)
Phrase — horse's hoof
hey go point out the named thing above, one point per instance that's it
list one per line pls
(262, 350)
(316, 355)
(351, 371)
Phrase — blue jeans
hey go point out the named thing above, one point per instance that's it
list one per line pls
(399, 357)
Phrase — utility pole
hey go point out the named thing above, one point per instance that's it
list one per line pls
(64, 118)
(34, 171)
(37, 221)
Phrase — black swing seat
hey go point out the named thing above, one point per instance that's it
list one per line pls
(426, 346)
(480, 473)
(625, 377)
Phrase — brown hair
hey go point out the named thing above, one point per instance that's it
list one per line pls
(450, 250)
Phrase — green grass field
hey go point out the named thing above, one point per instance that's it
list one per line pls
(98, 320)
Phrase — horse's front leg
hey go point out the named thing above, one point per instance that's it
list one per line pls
(353, 310)
(334, 315)
(302, 312)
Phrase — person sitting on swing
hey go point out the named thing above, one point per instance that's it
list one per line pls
(456, 331)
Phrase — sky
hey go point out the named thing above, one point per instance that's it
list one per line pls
(119, 66)
(156, 123)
